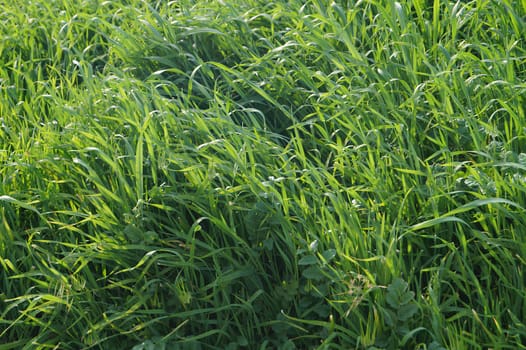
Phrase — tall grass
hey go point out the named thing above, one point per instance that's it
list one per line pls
(225, 174)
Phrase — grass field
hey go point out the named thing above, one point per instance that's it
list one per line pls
(230, 174)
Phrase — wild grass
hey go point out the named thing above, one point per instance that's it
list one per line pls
(270, 175)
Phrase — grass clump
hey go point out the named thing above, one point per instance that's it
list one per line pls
(262, 175)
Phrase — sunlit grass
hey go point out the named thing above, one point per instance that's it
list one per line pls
(229, 175)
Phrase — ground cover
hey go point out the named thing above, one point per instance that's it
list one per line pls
(258, 174)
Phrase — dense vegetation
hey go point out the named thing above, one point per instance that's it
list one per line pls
(262, 175)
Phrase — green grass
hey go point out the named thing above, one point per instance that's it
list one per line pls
(263, 175)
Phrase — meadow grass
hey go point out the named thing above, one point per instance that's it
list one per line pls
(262, 175)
